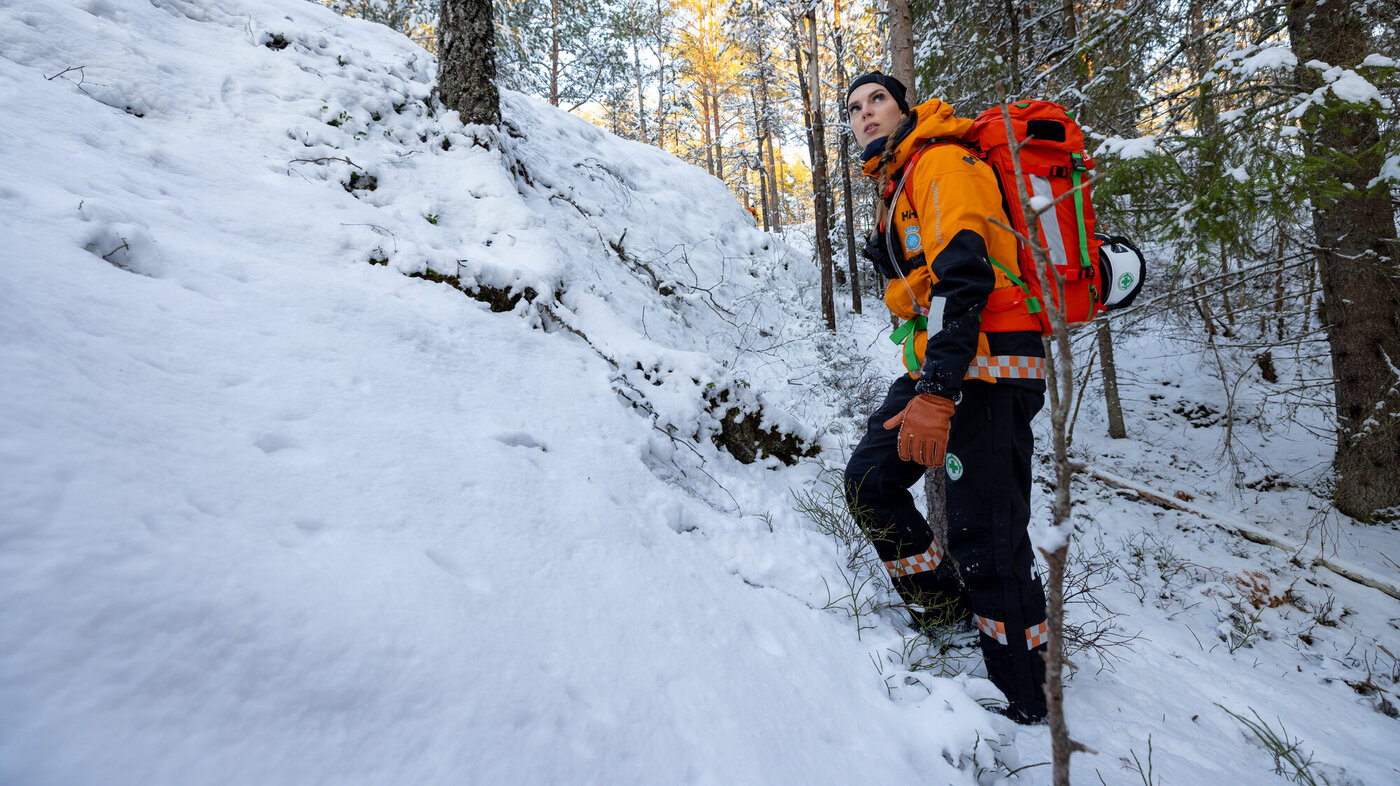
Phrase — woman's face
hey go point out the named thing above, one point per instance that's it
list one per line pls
(873, 113)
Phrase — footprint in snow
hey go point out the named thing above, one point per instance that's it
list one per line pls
(520, 439)
(275, 443)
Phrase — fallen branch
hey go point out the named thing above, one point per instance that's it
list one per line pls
(1249, 532)
(325, 159)
(79, 69)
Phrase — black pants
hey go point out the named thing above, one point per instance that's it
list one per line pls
(988, 486)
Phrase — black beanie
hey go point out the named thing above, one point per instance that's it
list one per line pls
(894, 86)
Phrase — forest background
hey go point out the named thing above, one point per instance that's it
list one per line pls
(1254, 146)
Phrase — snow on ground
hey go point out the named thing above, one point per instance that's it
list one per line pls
(272, 510)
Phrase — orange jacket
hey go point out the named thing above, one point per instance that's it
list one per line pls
(943, 230)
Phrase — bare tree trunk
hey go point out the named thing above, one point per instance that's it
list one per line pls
(773, 198)
(767, 131)
(758, 158)
(1115, 110)
(467, 60)
(659, 50)
(1225, 292)
(1060, 386)
(705, 126)
(763, 176)
(902, 46)
(1203, 306)
(714, 118)
(1014, 19)
(821, 189)
(936, 495)
(1359, 265)
(846, 176)
(1278, 291)
(554, 52)
(1110, 382)
(637, 74)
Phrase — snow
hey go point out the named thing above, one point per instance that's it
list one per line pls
(273, 513)
(1126, 148)
(1390, 170)
(1268, 58)
(1351, 86)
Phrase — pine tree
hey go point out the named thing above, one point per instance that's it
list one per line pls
(467, 61)
(561, 50)
(1359, 256)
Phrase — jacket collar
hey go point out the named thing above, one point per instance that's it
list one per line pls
(930, 120)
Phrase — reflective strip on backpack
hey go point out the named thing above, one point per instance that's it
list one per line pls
(919, 563)
(1006, 367)
(991, 628)
(1037, 635)
(1050, 223)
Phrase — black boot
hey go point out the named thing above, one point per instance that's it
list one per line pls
(937, 598)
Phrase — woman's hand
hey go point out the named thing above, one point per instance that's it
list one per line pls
(923, 429)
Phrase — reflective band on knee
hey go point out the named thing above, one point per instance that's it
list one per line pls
(1037, 635)
(991, 628)
(918, 563)
(1006, 367)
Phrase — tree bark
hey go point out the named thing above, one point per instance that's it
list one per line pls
(1354, 224)
(774, 197)
(705, 127)
(776, 222)
(467, 60)
(902, 46)
(554, 52)
(637, 74)
(821, 189)
(1059, 384)
(846, 174)
(714, 118)
(1110, 382)
(758, 158)
(659, 50)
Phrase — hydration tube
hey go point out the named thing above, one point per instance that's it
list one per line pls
(889, 246)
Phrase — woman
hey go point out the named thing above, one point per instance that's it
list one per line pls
(970, 393)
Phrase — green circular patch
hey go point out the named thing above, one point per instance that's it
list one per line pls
(954, 467)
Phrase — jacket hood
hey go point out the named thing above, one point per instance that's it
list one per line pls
(932, 119)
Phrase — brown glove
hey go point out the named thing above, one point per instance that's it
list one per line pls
(923, 429)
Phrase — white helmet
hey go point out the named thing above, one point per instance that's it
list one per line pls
(1121, 269)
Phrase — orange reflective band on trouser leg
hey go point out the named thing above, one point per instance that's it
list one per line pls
(908, 566)
(1037, 635)
(991, 628)
(1006, 367)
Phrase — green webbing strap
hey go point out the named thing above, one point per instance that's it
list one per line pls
(1032, 302)
(1079, 210)
(904, 335)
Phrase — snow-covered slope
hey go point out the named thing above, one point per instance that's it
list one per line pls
(304, 481)
(275, 514)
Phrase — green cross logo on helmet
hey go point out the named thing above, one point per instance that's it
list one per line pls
(1126, 281)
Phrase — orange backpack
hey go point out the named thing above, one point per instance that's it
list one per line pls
(1053, 164)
